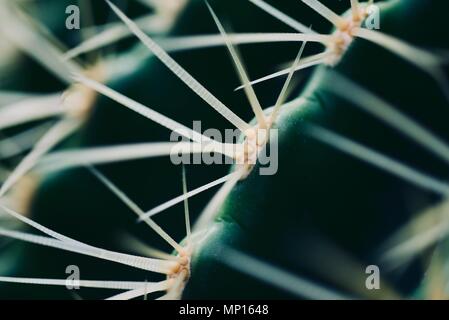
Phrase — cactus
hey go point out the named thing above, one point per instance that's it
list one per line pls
(351, 191)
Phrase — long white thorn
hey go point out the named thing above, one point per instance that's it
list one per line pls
(206, 41)
(55, 135)
(376, 106)
(39, 227)
(8, 97)
(97, 252)
(181, 73)
(277, 277)
(102, 155)
(15, 145)
(249, 91)
(187, 195)
(186, 206)
(132, 243)
(144, 290)
(425, 230)
(135, 208)
(31, 109)
(408, 249)
(208, 214)
(116, 285)
(181, 43)
(34, 43)
(282, 16)
(283, 95)
(154, 265)
(118, 65)
(424, 60)
(141, 109)
(326, 13)
(414, 55)
(377, 159)
(115, 32)
(308, 62)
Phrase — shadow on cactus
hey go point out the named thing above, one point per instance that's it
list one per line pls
(336, 189)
